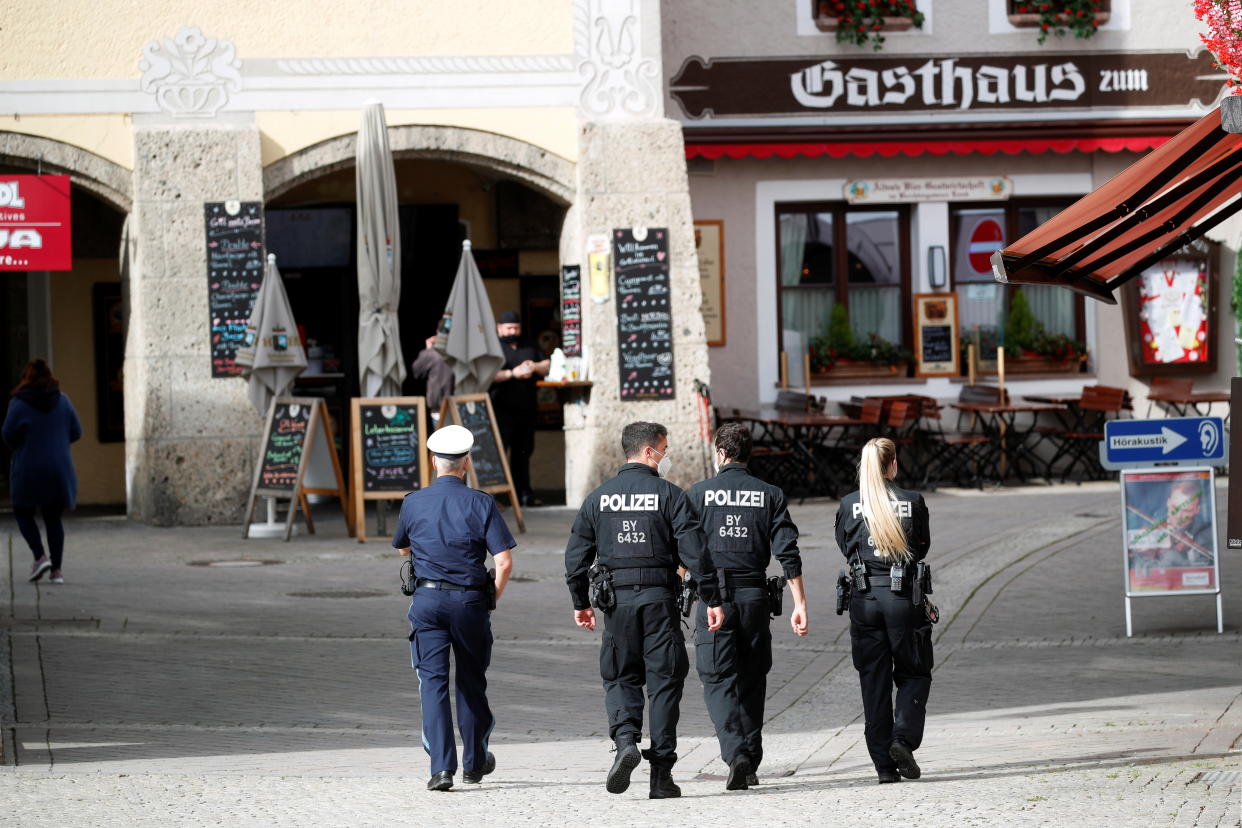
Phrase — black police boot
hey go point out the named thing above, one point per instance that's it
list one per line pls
(476, 776)
(889, 777)
(752, 779)
(662, 785)
(442, 781)
(904, 757)
(739, 773)
(627, 759)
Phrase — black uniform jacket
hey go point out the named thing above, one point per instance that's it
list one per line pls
(637, 519)
(853, 537)
(746, 522)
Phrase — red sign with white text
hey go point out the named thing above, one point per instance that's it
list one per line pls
(34, 223)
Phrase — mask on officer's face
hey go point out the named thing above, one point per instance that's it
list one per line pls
(510, 339)
(664, 465)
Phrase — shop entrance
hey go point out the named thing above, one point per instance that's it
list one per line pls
(514, 231)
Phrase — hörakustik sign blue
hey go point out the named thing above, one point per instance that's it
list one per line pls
(1198, 441)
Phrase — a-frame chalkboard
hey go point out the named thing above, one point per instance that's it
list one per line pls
(298, 457)
(489, 466)
(388, 457)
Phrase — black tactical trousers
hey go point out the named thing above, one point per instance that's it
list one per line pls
(733, 664)
(643, 644)
(891, 642)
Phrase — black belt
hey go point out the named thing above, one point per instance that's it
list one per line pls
(644, 576)
(887, 581)
(427, 583)
(744, 581)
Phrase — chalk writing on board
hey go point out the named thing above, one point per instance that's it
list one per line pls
(234, 272)
(485, 456)
(390, 448)
(937, 343)
(282, 451)
(571, 310)
(644, 314)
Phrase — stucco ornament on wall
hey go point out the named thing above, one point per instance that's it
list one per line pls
(618, 81)
(191, 75)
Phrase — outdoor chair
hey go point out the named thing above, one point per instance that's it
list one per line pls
(1170, 385)
(899, 426)
(1079, 445)
(953, 456)
(773, 458)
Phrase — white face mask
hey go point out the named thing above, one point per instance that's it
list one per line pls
(662, 468)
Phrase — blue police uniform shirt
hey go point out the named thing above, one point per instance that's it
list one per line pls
(450, 528)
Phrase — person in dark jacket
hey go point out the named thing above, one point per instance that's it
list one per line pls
(38, 428)
(431, 366)
(886, 530)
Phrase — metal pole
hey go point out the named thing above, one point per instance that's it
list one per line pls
(1220, 616)
(1128, 628)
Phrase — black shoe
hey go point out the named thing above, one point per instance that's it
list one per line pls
(662, 785)
(889, 777)
(627, 759)
(752, 779)
(442, 781)
(475, 777)
(739, 772)
(904, 757)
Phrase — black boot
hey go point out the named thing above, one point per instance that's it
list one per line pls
(739, 774)
(662, 785)
(627, 759)
(904, 757)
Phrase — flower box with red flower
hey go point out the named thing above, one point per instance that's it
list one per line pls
(860, 22)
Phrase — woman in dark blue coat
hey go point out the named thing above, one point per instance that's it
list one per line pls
(39, 427)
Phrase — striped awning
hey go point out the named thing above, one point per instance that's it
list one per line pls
(1171, 197)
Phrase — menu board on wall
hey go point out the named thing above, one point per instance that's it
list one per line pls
(644, 314)
(234, 273)
(571, 310)
(709, 243)
(937, 349)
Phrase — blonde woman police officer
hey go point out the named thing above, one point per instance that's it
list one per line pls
(886, 530)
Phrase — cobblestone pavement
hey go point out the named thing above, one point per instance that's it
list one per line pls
(155, 689)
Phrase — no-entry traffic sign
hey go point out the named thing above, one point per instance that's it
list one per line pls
(1130, 444)
(985, 239)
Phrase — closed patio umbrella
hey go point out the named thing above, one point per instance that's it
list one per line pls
(271, 355)
(467, 335)
(380, 363)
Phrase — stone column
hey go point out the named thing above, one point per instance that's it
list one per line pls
(631, 173)
(189, 439)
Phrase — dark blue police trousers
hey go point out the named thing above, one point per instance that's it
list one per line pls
(733, 664)
(440, 619)
(891, 643)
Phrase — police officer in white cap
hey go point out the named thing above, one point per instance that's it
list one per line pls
(448, 529)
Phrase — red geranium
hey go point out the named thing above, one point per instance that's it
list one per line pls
(1224, 36)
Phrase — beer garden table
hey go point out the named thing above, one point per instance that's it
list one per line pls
(817, 440)
(1010, 441)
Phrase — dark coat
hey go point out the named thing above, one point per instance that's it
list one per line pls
(39, 427)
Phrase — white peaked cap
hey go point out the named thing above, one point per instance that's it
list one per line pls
(451, 441)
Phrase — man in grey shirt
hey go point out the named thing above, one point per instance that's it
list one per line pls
(430, 365)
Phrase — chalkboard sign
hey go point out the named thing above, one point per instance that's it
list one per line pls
(644, 314)
(234, 273)
(389, 443)
(281, 461)
(298, 458)
(489, 468)
(571, 310)
(937, 352)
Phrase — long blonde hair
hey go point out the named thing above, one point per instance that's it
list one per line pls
(887, 534)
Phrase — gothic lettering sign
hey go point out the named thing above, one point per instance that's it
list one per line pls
(871, 85)
(644, 314)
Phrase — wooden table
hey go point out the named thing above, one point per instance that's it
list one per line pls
(815, 438)
(999, 421)
(1180, 403)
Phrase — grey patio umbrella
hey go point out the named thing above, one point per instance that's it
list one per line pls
(467, 335)
(271, 355)
(380, 363)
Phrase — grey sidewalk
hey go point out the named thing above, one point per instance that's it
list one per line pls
(151, 690)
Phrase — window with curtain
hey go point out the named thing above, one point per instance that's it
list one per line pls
(983, 303)
(829, 254)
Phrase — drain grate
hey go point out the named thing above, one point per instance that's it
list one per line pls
(236, 563)
(340, 593)
(1218, 777)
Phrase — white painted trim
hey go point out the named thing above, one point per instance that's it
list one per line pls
(929, 228)
(998, 22)
(804, 12)
(1042, 184)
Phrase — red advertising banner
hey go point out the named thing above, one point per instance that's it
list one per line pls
(34, 223)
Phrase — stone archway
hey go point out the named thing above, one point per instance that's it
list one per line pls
(106, 179)
(537, 168)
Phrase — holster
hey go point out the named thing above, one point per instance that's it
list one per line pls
(686, 596)
(844, 584)
(922, 583)
(776, 595)
(600, 591)
(491, 589)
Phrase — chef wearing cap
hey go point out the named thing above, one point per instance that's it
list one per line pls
(448, 530)
(514, 399)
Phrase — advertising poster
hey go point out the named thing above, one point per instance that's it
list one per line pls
(1173, 312)
(1170, 531)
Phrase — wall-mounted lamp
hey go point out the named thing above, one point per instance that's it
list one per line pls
(936, 267)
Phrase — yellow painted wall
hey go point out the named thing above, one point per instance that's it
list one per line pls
(104, 38)
(109, 136)
(552, 128)
(100, 466)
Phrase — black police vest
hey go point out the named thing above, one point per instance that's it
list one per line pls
(631, 526)
(736, 514)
